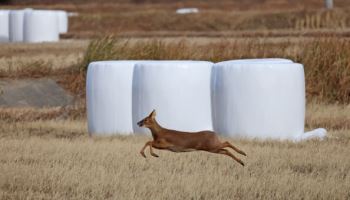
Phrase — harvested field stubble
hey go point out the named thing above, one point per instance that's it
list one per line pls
(141, 17)
(47, 154)
(208, 20)
(55, 159)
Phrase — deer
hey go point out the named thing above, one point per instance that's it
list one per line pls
(178, 141)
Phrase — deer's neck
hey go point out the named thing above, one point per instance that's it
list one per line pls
(156, 130)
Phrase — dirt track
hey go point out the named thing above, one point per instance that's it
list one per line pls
(33, 93)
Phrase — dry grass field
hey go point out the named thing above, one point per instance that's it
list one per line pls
(56, 159)
(219, 18)
(46, 153)
(326, 59)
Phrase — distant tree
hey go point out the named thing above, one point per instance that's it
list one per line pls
(3, 2)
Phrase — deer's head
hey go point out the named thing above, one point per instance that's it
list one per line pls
(148, 121)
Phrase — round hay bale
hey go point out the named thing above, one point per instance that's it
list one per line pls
(108, 94)
(264, 100)
(4, 25)
(62, 21)
(178, 90)
(16, 25)
(41, 26)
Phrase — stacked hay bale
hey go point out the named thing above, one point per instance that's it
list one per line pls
(4, 25)
(179, 90)
(62, 21)
(109, 97)
(16, 24)
(262, 99)
(251, 98)
(32, 26)
(40, 26)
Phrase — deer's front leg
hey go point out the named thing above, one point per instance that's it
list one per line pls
(149, 143)
(151, 150)
(142, 152)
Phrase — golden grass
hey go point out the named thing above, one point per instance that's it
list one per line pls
(325, 59)
(331, 116)
(111, 168)
(16, 56)
(56, 159)
(47, 153)
(327, 67)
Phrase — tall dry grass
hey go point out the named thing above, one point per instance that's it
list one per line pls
(111, 168)
(327, 70)
(322, 20)
(56, 159)
(18, 56)
(47, 153)
(326, 60)
(100, 49)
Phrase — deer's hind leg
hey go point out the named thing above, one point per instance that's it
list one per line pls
(227, 153)
(227, 144)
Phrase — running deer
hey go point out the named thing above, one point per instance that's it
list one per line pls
(177, 141)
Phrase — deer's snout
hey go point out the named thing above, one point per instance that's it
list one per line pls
(140, 123)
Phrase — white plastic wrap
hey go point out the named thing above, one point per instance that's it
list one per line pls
(264, 60)
(319, 133)
(41, 26)
(264, 100)
(73, 14)
(16, 25)
(186, 10)
(62, 21)
(178, 90)
(4, 25)
(109, 93)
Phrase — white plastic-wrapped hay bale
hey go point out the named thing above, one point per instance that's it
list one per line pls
(62, 21)
(109, 93)
(183, 11)
(16, 25)
(264, 100)
(4, 25)
(265, 60)
(178, 90)
(41, 26)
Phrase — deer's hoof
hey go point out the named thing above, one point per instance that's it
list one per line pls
(143, 154)
(243, 153)
(155, 155)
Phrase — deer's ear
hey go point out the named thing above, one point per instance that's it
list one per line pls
(153, 114)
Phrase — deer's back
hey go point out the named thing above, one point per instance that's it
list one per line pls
(186, 141)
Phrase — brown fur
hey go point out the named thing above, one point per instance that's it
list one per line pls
(177, 141)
